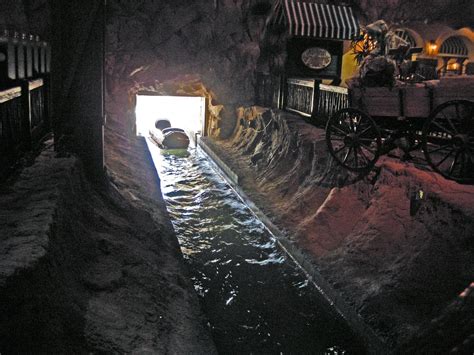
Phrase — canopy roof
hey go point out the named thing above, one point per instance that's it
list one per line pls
(312, 19)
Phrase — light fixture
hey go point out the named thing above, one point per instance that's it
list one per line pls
(432, 47)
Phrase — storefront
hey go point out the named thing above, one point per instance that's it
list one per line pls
(303, 46)
(449, 52)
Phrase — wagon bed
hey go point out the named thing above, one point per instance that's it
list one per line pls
(411, 100)
(436, 115)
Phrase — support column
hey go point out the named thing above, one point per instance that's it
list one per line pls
(78, 80)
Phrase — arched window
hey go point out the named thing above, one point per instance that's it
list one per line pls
(401, 37)
(454, 53)
(453, 47)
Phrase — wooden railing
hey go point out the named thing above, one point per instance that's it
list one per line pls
(310, 98)
(38, 107)
(23, 115)
(24, 110)
(12, 124)
(300, 95)
(269, 90)
(330, 100)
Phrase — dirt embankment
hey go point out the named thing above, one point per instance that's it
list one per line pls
(401, 263)
(83, 269)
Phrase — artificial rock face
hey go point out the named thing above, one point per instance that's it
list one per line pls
(206, 48)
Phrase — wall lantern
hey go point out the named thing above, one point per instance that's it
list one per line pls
(432, 47)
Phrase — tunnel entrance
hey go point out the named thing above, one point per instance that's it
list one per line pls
(186, 112)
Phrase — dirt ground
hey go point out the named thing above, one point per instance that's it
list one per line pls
(94, 268)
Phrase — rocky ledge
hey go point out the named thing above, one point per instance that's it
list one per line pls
(404, 265)
(84, 270)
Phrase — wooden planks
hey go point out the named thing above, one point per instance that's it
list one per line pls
(453, 88)
(409, 101)
(377, 101)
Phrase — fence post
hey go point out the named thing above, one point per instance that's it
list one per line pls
(315, 108)
(284, 91)
(47, 112)
(26, 114)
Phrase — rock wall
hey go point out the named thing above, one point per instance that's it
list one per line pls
(84, 270)
(153, 42)
(399, 263)
(32, 16)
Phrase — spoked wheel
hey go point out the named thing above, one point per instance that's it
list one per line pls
(448, 140)
(353, 139)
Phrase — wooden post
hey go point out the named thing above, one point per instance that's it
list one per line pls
(78, 79)
(26, 114)
(316, 94)
(47, 102)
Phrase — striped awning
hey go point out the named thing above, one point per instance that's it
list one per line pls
(311, 19)
(453, 47)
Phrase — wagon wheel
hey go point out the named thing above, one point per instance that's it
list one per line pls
(353, 139)
(448, 140)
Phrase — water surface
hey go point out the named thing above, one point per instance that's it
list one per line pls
(256, 298)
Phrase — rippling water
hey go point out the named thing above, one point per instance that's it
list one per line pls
(255, 297)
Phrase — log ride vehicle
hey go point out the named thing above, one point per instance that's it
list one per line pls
(167, 137)
(436, 116)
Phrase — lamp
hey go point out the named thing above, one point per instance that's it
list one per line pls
(432, 47)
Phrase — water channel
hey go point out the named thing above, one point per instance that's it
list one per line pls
(257, 300)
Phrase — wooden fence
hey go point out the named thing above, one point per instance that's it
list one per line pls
(269, 91)
(310, 98)
(300, 96)
(24, 94)
(24, 115)
(330, 100)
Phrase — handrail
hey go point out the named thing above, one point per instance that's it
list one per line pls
(302, 82)
(10, 94)
(14, 92)
(332, 88)
(34, 84)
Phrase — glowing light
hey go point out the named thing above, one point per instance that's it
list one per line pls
(182, 111)
(453, 65)
(432, 47)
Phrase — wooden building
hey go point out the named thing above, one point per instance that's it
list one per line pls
(303, 47)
